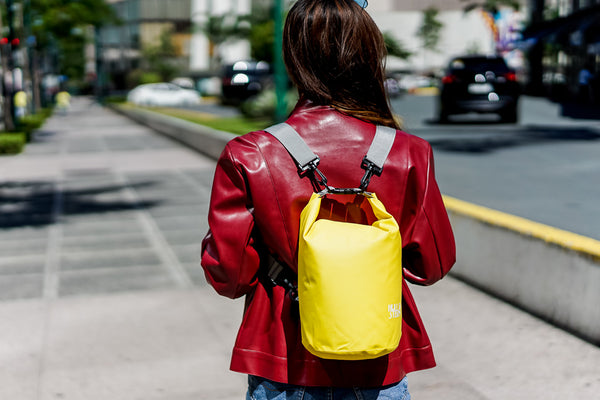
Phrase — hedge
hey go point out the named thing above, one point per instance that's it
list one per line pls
(12, 143)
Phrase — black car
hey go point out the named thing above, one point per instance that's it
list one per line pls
(481, 84)
(244, 79)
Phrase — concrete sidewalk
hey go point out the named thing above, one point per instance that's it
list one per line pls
(102, 296)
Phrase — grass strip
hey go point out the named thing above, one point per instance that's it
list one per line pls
(236, 125)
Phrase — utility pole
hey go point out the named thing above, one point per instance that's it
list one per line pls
(7, 78)
(29, 67)
(278, 66)
(100, 76)
(536, 52)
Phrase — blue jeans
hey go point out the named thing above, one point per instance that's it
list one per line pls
(264, 389)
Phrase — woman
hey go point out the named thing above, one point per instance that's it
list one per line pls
(334, 54)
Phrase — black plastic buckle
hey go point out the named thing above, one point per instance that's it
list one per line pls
(370, 170)
(274, 269)
(276, 272)
(317, 178)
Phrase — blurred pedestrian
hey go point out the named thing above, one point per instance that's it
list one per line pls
(20, 101)
(585, 80)
(334, 54)
(63, 101)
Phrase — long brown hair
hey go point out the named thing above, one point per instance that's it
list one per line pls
(334, 53)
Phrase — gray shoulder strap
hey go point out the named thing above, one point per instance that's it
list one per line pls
(303, 155)
(294, 144)
(381, 146)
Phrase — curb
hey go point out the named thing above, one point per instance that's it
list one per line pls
(203, 139)
(585, 246)
(551, 273)
(425, 91)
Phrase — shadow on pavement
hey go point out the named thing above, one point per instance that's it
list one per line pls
(520, 136)
(580, 111)
(43, 135)
(34, 203)
(467, 120)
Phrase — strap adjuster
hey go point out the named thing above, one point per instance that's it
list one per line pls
(311, 165)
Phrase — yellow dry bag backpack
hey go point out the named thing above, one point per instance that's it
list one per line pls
(349, 274)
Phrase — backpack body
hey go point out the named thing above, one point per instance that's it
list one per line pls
(349, 274)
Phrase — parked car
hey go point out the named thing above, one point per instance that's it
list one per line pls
(392, 87)
(244, 79)
(184, 82)
(481, 84)
(163, 94)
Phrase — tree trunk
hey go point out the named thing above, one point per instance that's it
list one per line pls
(7, 86)
(35, 81)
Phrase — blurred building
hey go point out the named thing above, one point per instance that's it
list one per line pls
(200, 51)
(567, 39)
(120, 48)
(462, 32)
(207, 55)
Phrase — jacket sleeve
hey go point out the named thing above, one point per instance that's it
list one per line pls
(229, 260)
(429, 250)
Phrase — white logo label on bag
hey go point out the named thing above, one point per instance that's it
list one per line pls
(395, 310)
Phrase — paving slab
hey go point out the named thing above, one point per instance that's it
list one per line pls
(169, 344)
(497, 351)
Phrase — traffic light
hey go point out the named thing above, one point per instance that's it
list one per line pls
(9, 46)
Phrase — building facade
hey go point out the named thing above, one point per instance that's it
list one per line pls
(206, 55)
(119, 48)
(566, 45)
(462, 32)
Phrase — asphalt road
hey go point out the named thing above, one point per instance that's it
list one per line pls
(546, 168)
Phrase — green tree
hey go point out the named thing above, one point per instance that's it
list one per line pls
(61, 23)
(394, 47)
(71, 57)
(430, 29)
(159, 58)
(262, 40)
(262, 31)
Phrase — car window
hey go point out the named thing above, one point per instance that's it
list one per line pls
(171, 86)
(478, 65)
(159, 86)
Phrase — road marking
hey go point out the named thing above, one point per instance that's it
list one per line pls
(153, 233)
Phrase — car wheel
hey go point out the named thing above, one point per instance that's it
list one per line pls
(511, 116)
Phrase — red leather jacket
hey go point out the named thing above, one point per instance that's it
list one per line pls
(256, 201)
